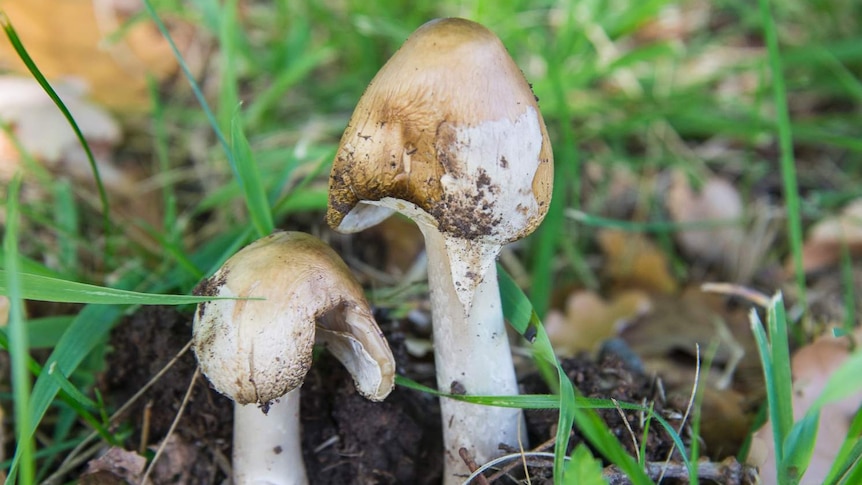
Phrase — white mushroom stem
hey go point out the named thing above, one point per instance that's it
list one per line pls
(266, 447)
(472, 354)
(471, 347)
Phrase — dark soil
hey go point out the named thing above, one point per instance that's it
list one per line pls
(346, 439)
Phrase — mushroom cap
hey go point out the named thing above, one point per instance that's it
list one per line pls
(449, 125)
(255, 351)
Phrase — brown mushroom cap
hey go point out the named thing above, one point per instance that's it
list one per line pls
(450, 125)
(255, 351)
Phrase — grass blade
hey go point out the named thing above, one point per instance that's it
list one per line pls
(850, 452)
(19, 347)
(250, 179)
(785, 142)
(799, 445)
(519, 312)
(44, 288)
(780, 352)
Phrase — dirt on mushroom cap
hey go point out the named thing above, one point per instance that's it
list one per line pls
(451, 125)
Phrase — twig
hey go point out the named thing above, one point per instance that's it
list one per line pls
(748, 294)
(688, 407)
(727, 472)
(628, 427)
(173, 426)
(471, 464)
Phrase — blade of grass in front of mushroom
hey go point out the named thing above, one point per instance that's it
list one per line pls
(19, 348)
(548, 401)
(518, 310)
(44, 288)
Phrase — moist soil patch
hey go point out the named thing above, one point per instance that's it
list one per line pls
(346, 439)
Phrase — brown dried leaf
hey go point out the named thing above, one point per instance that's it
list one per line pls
(117, 466)
(666, 339)
(71, 39)
(632, 261)
(825, 239)
(589, 320)
(676, 22)
(811, 367)
(177, 461)
(717, 201)
(44, 133)
(41, 128)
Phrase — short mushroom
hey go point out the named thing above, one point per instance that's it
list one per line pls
(449, 134)
(257, 352)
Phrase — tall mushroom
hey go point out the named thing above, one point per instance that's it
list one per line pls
(449, 134)
(257, 352)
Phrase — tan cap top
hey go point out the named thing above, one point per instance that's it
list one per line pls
(255, 351)
(450, 125)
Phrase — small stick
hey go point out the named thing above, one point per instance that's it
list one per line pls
(728, 472)
(471, 464)
(173, 427)
(145, 427)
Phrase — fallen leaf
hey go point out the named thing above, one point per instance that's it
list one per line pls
(676, 22)
(632, 261)
(73, 38)
(825, 239)
(811, 367)
(735, 249)
(44, 133)
(589, 320)
(717, 201)
(41, 128)
(176, 462)
(667, 337)
(116, 466)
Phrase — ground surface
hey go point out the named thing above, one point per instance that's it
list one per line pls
(346, 439)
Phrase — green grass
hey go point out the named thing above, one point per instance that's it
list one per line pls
(289, 75)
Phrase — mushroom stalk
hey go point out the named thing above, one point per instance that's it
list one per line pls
(471, 355)
(266, 447)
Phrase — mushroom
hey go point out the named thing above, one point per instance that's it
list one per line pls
(257, 352)
(449, 134)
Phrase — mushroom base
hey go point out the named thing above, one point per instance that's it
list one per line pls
(266, 447)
